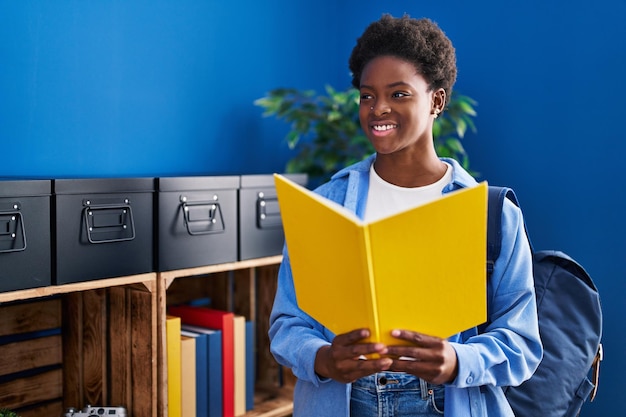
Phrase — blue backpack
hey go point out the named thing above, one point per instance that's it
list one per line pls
(570, 325)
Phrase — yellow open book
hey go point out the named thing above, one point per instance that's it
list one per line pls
(422, 269)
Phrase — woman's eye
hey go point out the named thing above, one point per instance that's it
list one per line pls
(399, 94)
(366, 97)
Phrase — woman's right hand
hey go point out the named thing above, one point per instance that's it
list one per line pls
(344, 360)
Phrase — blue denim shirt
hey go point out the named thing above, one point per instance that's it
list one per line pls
(506, 353)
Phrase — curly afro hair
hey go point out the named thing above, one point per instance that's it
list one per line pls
(418, 41)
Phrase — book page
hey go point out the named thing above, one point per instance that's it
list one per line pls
(429, 265)
(328, 259)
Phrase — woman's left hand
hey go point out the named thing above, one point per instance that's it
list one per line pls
(430, 358)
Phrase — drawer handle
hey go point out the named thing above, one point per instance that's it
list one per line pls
(109, 223)
(202, 217)
(12, 230)
(267, 212)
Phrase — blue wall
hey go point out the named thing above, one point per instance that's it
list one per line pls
(164, 87)
(160, 87)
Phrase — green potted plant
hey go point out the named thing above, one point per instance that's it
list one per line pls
(4, 412)
(326, 132)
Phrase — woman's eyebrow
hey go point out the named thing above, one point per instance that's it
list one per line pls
(395, 84)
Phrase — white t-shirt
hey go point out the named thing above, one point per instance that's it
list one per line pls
(385, 199)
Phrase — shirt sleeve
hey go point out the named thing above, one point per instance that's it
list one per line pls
(295, 337)
(509, 349)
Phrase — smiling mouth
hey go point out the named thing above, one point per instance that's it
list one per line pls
(384, 128)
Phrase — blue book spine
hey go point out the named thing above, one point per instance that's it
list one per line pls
(202, 377)
(213, 369)
(250, 364)
(215, 374)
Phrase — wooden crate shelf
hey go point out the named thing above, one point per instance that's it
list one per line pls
(104, 353)
(112, 331)
(247, 288)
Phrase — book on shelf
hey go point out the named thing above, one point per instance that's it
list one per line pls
(250, 363)
(174, 376)
(239, 325)
(210, 390)
(217, 320)
(422, 269)
(202, 375)
(188, 375)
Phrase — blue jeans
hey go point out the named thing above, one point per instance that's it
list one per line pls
(395, 394)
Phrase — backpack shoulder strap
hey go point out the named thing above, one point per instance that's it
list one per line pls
(494, 222)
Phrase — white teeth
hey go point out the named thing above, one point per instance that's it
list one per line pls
(383, 127)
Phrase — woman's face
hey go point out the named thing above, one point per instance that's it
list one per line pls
(397, 109)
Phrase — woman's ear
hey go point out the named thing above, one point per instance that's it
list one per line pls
(438, 101)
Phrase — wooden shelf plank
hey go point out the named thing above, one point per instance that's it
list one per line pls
(272, 403)
(148, 280)
(169, 276)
